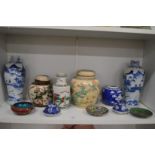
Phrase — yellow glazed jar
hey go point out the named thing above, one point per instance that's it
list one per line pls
(85, 88)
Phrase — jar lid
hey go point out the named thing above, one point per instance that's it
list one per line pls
(61, 75)
(86, 73)
(42, 78)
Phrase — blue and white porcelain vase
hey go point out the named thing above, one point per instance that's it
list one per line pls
(111, 95)
(14, 77)
(134, 77)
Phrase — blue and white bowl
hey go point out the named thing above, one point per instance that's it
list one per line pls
(120, 108)
(111, 95)
(51, 110)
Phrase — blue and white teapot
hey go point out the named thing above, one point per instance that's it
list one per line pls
(14, 77)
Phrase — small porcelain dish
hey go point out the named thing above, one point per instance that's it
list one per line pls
(51, 110)
(96, 110)
(141, 112)
(22, 108)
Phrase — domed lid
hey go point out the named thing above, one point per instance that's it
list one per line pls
(42, 78)
(61, 75)
(51, 109)
(86, 73)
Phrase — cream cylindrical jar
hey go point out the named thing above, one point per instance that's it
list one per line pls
(85, 88)
(61, 91)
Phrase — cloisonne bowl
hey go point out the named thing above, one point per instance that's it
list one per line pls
(96, 110)
(22, 108)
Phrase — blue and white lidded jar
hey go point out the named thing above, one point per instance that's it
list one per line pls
(14, 77)
(111, 95)
(134, 77)
(120, 107)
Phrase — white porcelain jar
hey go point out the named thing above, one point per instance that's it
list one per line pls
(61, 91)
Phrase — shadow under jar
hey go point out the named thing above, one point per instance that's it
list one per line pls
(85, 88)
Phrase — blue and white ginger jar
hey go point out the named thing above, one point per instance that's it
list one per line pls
(111, 95)
(14, 77)
(133, 83)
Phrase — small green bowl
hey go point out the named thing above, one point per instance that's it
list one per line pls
(141, 112)
(96, 110)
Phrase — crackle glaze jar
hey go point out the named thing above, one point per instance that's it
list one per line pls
(85, 88)
(40, 91)
(133, 83)
(14, 77)
(61, 91)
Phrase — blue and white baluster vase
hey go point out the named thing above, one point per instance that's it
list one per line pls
(14, 77)
(134, 77)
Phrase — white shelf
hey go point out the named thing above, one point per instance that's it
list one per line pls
(72, 115)
(83, 31)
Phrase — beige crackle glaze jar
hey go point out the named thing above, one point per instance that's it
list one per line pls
(40, 91)
(85, 88)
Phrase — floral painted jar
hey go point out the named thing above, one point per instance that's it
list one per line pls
(40, 91)
(61, 91)
(85, 88)
(111, 95)
(14, 77)
(134, 77)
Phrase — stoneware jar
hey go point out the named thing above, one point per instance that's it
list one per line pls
(133, 83)
(61, 91)
(40, 91)
(85, 88)
(111, 95)
(14, 77)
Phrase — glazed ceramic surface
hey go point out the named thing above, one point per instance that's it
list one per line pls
(61, 91)
(96, 110)
(51, 109)
(40, 91)
(133, 83)
(14, 76)
(120, 107)
(111, 95)
(85, 88)
(22, 108)
(141, 112)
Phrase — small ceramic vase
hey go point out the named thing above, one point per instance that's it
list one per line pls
(40, 91)
(61, 91)
(14, 77)
(111, 95)
(85, 88)
(51, 109)
(133, 83)
(120, 107)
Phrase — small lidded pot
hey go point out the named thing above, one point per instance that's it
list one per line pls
(40, 91)
(120, 107)
(85, 88)
(111, 95)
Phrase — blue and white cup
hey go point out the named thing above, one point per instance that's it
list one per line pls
(111, 95)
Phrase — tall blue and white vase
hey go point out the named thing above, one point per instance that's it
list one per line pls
(134, 77)
(14, 77)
